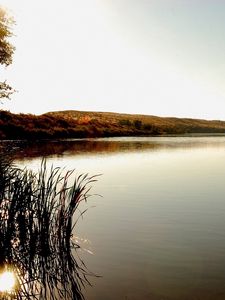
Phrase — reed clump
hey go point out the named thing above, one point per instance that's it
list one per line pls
(36, 226)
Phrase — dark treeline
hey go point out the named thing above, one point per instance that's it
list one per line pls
(77, 124)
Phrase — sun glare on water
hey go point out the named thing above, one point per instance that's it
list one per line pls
(7, 281)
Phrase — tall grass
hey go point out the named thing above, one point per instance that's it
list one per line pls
(36, 227)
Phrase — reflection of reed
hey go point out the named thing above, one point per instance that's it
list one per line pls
(36, 223)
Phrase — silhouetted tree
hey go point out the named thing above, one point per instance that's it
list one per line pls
(6, 49)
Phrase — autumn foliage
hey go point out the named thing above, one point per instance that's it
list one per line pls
(77, 124)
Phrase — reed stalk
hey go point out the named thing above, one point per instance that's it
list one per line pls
(36, 227)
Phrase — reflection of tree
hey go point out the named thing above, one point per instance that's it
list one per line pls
(26, 150)
(36, 224)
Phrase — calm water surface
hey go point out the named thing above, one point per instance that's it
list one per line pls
(158, 231)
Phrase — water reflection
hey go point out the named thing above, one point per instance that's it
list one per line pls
(38, 255)
(8, 281)
(158, 231)
(24, 149)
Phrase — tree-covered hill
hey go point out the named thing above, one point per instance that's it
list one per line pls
(81, 124)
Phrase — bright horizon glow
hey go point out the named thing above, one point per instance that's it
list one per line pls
(157, 57)
(7, 281)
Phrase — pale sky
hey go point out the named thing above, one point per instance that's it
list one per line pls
(157, 57)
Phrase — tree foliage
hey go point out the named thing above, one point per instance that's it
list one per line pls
(6, 49)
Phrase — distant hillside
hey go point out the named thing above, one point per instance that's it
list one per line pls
(132, 124)
(80, 124)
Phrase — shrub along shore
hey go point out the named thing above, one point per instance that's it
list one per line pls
(82, 124)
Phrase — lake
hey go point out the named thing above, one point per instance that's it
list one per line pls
(158, 229)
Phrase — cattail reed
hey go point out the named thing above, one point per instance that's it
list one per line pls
(36, 225)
